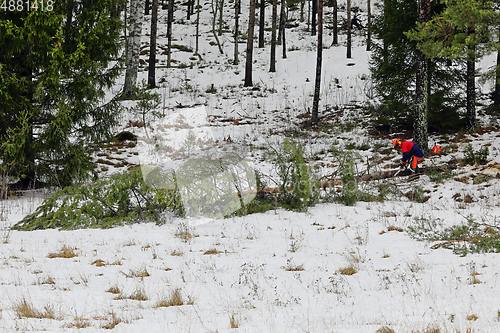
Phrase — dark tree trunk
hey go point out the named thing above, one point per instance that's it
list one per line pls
(313, 17)
(420, 122)
(197, 27)
(170, 19)
(146, 8)
(221, 12)
(496, 93)
(471, 88)
(283, 29)
(349, 30)
(369, 26)
(248, 64)
(190, 5)
(335, 40)
(319, 59)
(272, 67)
(236, 32)
(280, 23)
(262, 20)
(152, 47)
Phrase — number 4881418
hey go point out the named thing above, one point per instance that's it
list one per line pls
(27, 5)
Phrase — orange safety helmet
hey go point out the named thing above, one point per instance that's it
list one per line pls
(396, 142)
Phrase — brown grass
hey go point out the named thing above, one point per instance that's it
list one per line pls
(141, 273)
(234, 322)
(99, 263)
(384, 329)
(25, 309)
(113, 321)
(393, 228)
(64, 252)
(114, 290)
(139, 295)
(351, 270)
(291, 268)
(175, 299)
(212, 251)
(79, 322)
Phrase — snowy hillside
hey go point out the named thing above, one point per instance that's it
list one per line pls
(371, 267)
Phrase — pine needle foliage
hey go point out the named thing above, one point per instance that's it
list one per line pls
(296, 181)
(120, 199)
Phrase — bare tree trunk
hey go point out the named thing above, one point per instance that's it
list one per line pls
(349, 30)
(152, 46)
(248, 65)
(215, 11)
(308, 15)
(133, 47)
(197, 27)
(471, 87)
(221, 11)
(319, 59)
(236, 27)
(283, 28)
(146, 8)
(420, 122)
(280, 25)
(369, 26)
(302, 3)
(262, 20)
(313, 17)
(335, 24)
(190, 5)
(272, 68)
(496, 93)
(170, 19)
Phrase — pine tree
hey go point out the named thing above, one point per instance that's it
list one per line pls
(55, 67)
(461, 32)
(248, 64)
(133, 47)
(393, 68)
(262, 20)
(272, 67)
(152, 46)
(319, 60)
(420, 122)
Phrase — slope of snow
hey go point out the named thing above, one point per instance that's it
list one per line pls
(278, 271)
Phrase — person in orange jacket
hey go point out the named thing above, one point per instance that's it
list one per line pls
(410, 152)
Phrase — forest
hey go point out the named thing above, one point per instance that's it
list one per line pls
(229, 165)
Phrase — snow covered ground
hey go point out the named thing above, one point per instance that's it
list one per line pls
(332, 269)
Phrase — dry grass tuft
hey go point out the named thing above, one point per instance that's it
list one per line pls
(176, 253)
(292, 268)
(472, 317)
(175, 299)
(234, 322)
(143, 272)
(79, 322)
(64, 252)
(184, 232)
(393, 228)
(113, 321)
(384, 329)
(350, 270)
(99, 263)
(26, 310)
(47, 280)
(212, 251)
(139, 295)
(114, 290)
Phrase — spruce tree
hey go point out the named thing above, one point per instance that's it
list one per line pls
(55, 67)
(393, 68)
(461, 32)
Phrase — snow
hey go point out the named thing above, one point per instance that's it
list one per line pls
(400, 282)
